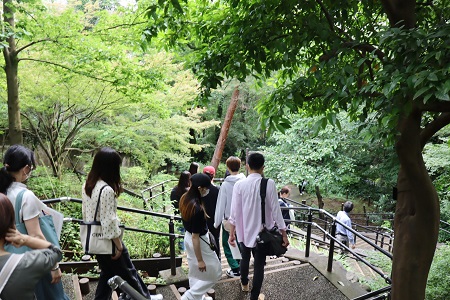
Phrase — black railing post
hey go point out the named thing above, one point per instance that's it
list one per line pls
(163, 196)
(308, 234)
(390, 243)
(151, 197)
(173, 266)
(377, 233)
(325, 227)
(331, 250)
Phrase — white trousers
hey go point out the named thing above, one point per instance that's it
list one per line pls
(200, 282)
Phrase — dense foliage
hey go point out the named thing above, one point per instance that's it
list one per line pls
(438, 285)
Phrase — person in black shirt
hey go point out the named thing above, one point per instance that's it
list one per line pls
(175, 195)
(204, 266)
(181, 188)
(210, 200)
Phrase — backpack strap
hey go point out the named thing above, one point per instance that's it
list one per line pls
(8, 269)
(18, 205)
(262, 192)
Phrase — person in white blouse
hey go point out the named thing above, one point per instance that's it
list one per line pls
(104, 180)
(18, 163)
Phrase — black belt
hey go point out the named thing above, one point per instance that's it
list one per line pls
(341, 234)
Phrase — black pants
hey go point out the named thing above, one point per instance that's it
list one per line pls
(259, 257)
(122, 267)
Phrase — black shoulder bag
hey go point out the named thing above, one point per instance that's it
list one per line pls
(212, 241)
(271, 240)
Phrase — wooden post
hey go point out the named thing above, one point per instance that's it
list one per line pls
(212, 293)
(84, 286)
(224, 129)
(181, 290)
(151, 289)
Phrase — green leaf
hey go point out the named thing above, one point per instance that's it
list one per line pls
(432, 77)
(420, 92)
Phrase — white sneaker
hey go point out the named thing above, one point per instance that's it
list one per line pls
(232, 274)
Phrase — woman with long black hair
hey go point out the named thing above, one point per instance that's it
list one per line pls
(104, 184)
(204, 266)
(184, 182)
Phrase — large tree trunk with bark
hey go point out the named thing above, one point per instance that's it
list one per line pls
(11, 67)
(416, 223)
(224, 129)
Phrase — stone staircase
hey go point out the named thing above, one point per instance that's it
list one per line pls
(290, 277)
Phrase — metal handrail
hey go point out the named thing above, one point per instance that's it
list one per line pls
(150, 190)
(117, 282)
(172, 235)
(356, 233)
(369, 295)
(332, 237)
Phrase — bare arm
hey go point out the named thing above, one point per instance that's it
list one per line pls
(34, 229)
(232, 237)
(18, 240)
(198, 252)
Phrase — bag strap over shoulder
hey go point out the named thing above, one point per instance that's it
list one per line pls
(18, 205)
(98, 202)
(262, 192)
(8, 269)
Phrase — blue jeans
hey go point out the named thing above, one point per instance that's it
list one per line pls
(259, 257)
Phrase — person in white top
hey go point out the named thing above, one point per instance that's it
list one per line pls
(223, 209)
(246, 222)
(104, 184)
(18, 163)
(343, 234)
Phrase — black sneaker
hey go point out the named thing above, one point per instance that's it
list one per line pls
(232, 274)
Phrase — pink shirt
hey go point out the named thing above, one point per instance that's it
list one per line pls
(246, 209)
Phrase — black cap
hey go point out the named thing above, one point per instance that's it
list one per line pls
(200, 180)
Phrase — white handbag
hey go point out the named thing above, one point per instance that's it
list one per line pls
(91, 235)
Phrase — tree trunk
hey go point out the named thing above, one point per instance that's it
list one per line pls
(225, 128)
(416, 223)
(12, 84)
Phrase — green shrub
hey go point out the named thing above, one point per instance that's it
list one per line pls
(144, 245)
(140, 245)
(438, 285)
(134, 178)
(382, 262)
(47, 186)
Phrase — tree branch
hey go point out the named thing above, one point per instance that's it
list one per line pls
(352, 45)
(70, 69)
(434, 126)
(327, 15)
(400, 12)
(31, 44)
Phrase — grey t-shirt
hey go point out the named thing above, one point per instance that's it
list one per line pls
(33, 265)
